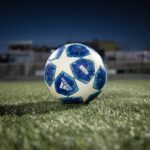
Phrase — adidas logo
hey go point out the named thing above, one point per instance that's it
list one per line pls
(84, 70)
(64, 85)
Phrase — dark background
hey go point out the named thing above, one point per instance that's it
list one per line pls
(55, 22)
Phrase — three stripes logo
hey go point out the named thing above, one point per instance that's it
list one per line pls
(64, 85)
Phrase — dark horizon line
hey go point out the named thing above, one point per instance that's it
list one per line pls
(121, 45)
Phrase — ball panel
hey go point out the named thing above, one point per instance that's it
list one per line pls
(56, 54)
(49, 73)
(92, 96)
(65, 84)
(100, 79)
(77, 50)
(83, 70)
(72, 100)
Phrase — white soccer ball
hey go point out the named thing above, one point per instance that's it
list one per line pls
(75, 73)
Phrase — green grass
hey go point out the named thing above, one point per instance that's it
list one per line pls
(118, 119)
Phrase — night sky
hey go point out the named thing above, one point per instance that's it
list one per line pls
(55, 22)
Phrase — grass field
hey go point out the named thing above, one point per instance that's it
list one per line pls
(118, 119)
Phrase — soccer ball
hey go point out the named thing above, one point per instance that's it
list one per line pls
(75, 73)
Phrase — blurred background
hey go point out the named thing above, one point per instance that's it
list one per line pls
(31, 30)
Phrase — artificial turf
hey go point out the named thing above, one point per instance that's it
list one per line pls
(118, 119)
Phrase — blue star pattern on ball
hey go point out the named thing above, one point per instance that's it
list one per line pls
(83, 70)
(65, 84)
(75, 73)
(77, 50)
(63, 64)
(87, 89)
(49, 73)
